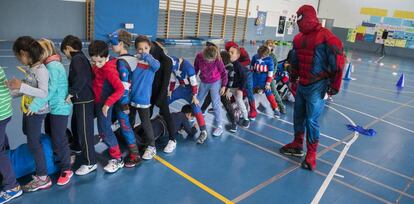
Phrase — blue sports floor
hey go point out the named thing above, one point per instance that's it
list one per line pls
(246, 167)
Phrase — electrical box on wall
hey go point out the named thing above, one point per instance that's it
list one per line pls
(129, 26)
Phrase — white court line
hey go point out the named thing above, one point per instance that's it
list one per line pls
(371, 116)
(384, 90)
(290, 123)
(324, 161)
(338, 162)
(381, 99)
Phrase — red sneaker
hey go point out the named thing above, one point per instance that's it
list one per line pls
(64, 177)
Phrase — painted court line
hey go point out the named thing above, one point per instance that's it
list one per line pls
(328, 179)
(384, 90)
(371, 116)
(381, 99)
(192, 180)
(246, 194)
(252, 191)
(316, 171)
(264, 184)
(260, 186)
(290, 123)
(327, 148)
(333, 149)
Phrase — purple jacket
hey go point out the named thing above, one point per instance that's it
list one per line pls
(210, 72)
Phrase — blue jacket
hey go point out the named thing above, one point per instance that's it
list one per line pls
(57, 91)
(141, 80)
(263, 70)
(22, 160)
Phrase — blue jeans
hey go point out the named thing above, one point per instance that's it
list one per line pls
(249, 86)
(214, 89)
(104, 125)
(309, 105)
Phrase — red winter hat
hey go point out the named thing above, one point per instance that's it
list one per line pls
(230, 44)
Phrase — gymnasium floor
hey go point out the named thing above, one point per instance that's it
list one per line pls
(246, 167)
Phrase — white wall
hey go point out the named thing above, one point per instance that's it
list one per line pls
(346, 12)
(275, 8)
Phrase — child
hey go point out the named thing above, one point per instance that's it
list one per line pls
(271, 45)
(29, 52)
(11, 189)
(159, 125)
(263, 68)
(238, 85)
(183, 71)
(59, 109)
(108, 89)
(81, 95)
(141, 81)
(244, 58)
(235, 77)
(159, 93)
(121, 41)
(214, 80)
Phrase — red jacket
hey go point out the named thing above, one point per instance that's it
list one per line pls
(107, 84)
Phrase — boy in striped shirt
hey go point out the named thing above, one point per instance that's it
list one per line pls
(11, 189)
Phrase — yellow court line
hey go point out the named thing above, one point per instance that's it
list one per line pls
(194, 181)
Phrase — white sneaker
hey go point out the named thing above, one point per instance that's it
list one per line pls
(114, 165)
(149, 153)
(85, 169)
(170, 146)
(218, 131)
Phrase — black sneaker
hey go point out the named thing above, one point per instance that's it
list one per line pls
(244, 123)
(296, 152)
(202, 137)
(232, 128)
(132, 161)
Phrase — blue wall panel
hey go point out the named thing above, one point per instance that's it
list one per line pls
(111, 15)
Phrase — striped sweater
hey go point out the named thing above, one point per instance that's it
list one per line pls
(5, 98)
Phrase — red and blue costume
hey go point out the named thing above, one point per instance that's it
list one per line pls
(124, 64)
(108, 89)
(184, 72)
(317, 61)
(262, 73)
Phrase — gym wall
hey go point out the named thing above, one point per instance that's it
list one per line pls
(52, 19)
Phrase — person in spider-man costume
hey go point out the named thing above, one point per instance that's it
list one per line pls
(317, 61)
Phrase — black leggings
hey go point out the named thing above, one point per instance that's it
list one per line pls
(227, 105)
(166, 114)
(145, 117)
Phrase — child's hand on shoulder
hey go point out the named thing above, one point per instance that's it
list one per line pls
(14, 84)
